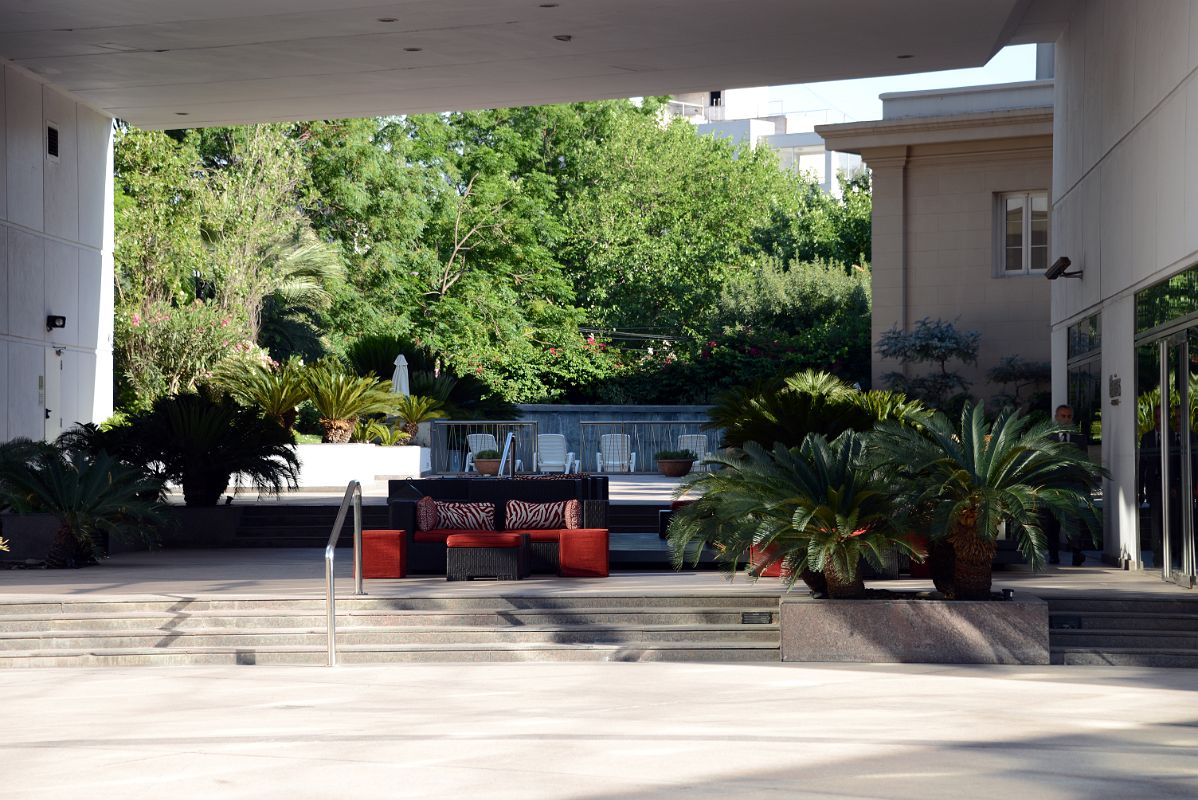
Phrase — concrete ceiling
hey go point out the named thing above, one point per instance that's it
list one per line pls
(188, 63)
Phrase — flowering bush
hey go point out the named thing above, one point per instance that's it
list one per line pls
(162, 349)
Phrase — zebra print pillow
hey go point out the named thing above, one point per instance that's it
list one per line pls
(522, 516)
(466, 516)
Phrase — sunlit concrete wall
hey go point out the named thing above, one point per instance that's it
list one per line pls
(56, 241)
(1125, 196)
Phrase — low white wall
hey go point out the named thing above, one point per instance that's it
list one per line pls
(338, 464)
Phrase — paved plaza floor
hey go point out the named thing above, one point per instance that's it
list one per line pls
(599, 731)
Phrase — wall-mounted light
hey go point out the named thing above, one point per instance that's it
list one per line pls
(1057, 270)
(55, 321)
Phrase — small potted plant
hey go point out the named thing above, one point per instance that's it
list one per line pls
(674, 463)
(487, 462)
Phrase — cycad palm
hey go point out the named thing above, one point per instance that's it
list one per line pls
(90, 495)
(341, 397)
(415, 409)
(968, 480)
(816, 507)
(276, 391)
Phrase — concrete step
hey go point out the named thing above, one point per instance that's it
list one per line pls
(1125, 657)
(348, 618)
(1121, 620)
(363, 654)
(711, 635)
(346, 603)
(1116, 638)
(1133, 605)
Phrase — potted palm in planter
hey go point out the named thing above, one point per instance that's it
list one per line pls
(967, 481)
(276, 390)
(674, 463)
(487, 462)
(819, 508)
(412, 410)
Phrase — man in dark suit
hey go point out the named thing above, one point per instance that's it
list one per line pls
(1052, 526)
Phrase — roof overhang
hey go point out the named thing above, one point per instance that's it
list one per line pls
(187, 63)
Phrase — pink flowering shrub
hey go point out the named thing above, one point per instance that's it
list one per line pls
(162, 349)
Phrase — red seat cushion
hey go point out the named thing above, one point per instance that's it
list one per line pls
(440, 534)
(545, 535)
(582, 553)
(483, 540)
(383, 554)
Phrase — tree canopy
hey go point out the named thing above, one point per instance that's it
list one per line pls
(553, 252)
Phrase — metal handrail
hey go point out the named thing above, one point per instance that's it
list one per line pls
(508, 443)
(353, 492)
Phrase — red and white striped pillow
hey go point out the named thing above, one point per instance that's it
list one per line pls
(426, 514)
(466, 516)
(524, 516)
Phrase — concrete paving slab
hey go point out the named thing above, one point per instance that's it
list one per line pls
(299, 572)
(598, 731)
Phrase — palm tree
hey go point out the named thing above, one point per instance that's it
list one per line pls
(817, 507)
(341, 397)
(807, 402)
(414, 409)
(92, 496)
(276, 390)
(965, 482)
(200, 442)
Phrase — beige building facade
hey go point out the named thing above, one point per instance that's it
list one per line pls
(961, 181)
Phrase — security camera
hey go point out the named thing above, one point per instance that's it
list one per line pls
(1057, 270)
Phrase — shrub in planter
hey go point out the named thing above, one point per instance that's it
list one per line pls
(415, 409)
(819, 508)
(964, 481)
(487, 462)
(674, 463)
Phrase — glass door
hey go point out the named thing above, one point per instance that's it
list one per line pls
(1168, 449)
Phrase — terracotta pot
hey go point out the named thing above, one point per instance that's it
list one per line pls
(674, 467)
(487, 466)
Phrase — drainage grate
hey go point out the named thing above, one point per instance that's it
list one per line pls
(756, 618)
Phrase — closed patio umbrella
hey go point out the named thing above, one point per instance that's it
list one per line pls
(399, 378)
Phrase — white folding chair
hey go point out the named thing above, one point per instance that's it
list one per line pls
(697, 444)
(551, 455)
(615, 453)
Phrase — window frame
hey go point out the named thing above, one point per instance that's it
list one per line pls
(1000, 233)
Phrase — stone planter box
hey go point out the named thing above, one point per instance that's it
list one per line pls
(29, 536)
(915, 631)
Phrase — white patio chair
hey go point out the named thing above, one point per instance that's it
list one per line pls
(615, 453)
(697, 444)
(551, 455)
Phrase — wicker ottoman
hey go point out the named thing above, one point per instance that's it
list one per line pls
(494, 556)
(383, 554)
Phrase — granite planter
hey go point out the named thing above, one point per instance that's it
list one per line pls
(915, 631)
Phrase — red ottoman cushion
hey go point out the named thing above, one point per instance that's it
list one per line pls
(383, 554)
(757, 556)
(483, 540)
(547, 535)
(583, 553)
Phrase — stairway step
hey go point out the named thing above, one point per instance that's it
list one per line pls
(1132, 605)
(1122, 620)
(1124, 638)
(714, 635)
(359, 654)
(284, 618)
(1125, 656)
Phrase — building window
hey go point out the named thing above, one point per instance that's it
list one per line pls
(1022, 224)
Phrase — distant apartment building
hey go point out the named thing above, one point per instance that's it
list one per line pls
(746, 115)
